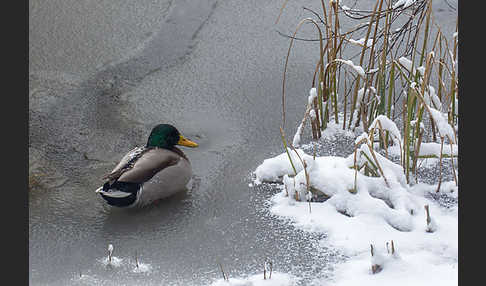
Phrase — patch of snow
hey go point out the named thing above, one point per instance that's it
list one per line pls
(361, 93)
(405, 3)
(363, 135)
(361, 41)
(334, 129)
(85, 279)
(115, 261)
(406, 63)
(421, 70)
(142, 268)
(373, 70)
(387, 125)
(296, 140)
(433, 149)
(456, 102)
(277, 279)
(440, 120)
(431, 98)
(419, 267)
(312, 95)
(312, 114)
(414, 122)
(350, 63)
(273, 169)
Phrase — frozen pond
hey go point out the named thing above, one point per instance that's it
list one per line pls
(102, 74)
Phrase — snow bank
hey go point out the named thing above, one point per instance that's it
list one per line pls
(370, 211)
(433, 149)
(413, 268)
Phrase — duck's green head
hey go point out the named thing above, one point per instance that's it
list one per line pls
(167, 136)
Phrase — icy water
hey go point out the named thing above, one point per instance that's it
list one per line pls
(102, 74)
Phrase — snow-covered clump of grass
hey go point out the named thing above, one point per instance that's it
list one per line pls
(393, 100)
(360, 210)
(277, 279)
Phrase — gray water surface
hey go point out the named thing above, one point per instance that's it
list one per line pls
(102, 74)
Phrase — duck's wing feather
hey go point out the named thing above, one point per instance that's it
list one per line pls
(149, 164)
(124, 163)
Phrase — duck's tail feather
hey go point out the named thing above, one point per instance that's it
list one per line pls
(120, 194)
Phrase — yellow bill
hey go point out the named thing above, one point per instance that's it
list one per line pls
(186, 142)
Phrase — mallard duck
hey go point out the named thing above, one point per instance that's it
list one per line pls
(149, 173)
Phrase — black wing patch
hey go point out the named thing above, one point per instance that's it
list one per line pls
(130, 188)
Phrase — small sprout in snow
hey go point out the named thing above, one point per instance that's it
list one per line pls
(431, 225)
(267, 266)
(296, 196)
(392, 251)
(308, 196)
(110, 252)
(376, 260)
(225, 277)
(136, 260)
